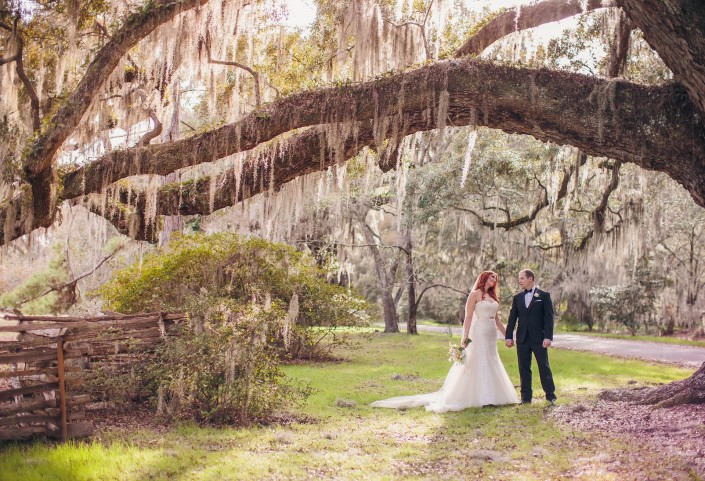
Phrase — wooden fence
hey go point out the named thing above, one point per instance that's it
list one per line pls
(47, 362)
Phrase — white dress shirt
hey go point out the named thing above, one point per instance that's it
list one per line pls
(527, 296)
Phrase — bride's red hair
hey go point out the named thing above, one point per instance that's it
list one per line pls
(493, 291)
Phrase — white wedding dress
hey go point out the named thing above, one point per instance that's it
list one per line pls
(480, 381)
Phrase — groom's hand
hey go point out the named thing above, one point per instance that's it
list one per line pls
(546, 343)
(509, 343)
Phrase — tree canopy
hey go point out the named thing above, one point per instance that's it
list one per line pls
(73, 71)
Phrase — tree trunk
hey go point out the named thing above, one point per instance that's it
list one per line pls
(391, 318)
(411, 282)
(687, 391)
(579, 308)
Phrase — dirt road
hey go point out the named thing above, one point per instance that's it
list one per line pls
(690, 356)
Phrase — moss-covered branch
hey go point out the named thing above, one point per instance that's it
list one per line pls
(37, 160)
(653, 127)
(525, 17)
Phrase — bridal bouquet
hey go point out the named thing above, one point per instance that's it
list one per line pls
(456, 353)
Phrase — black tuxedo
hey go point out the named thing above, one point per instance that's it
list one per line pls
(535, 323)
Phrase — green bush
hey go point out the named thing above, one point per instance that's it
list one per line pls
(622, 304)
(226, 373)
(44, 292)
(251, 304)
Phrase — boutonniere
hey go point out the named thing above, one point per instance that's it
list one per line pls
(536, 294)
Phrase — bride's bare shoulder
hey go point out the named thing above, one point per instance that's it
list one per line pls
(476, 295)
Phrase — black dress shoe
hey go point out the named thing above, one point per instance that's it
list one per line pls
(525, 401)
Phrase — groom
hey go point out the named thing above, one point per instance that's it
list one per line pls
(534, 310)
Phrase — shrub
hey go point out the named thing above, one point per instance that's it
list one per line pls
(251, 304)
(624, 304)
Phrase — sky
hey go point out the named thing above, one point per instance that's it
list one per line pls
(303, 12)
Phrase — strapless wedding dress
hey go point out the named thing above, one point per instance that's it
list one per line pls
(480, 381)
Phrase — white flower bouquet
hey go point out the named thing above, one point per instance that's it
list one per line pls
(456, 352)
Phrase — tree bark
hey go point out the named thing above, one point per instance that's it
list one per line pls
(617, 59)
(529, 17)
(391, 318)
(411, 282)
(687, 391)
(676, 30)
(653, 127)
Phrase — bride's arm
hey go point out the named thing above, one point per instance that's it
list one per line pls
(500, 326)
(469, 310)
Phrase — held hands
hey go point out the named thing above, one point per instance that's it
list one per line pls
(546, 343)
(509, 342)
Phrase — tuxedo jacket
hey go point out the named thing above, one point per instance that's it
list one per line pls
(533, 323)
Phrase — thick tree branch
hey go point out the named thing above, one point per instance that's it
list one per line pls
(19, 68)
(676, 30)
(617, 59)
(72, 283)
(651, 126)
(542, 203)
(530, 16)
(302, 154)
(38, 160)
(104, 32)
(152, 134)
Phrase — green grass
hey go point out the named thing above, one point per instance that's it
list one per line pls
(363, 443)
(659, 339)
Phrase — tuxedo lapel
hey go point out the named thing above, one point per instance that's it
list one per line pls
(533, 298)
(522, 304)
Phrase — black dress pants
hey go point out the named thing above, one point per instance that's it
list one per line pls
(524, 350)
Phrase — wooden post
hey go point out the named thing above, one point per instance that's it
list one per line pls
(62, 386)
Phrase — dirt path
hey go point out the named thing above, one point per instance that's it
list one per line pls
(690, 356)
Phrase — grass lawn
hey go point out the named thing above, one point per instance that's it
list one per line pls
(358, 442)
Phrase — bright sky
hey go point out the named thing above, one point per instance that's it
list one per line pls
(303, 12)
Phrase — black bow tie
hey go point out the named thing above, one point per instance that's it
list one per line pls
(526, 291)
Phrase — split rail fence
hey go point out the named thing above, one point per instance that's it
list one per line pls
(47, 363)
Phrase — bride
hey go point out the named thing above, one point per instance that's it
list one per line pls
(481, 380)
